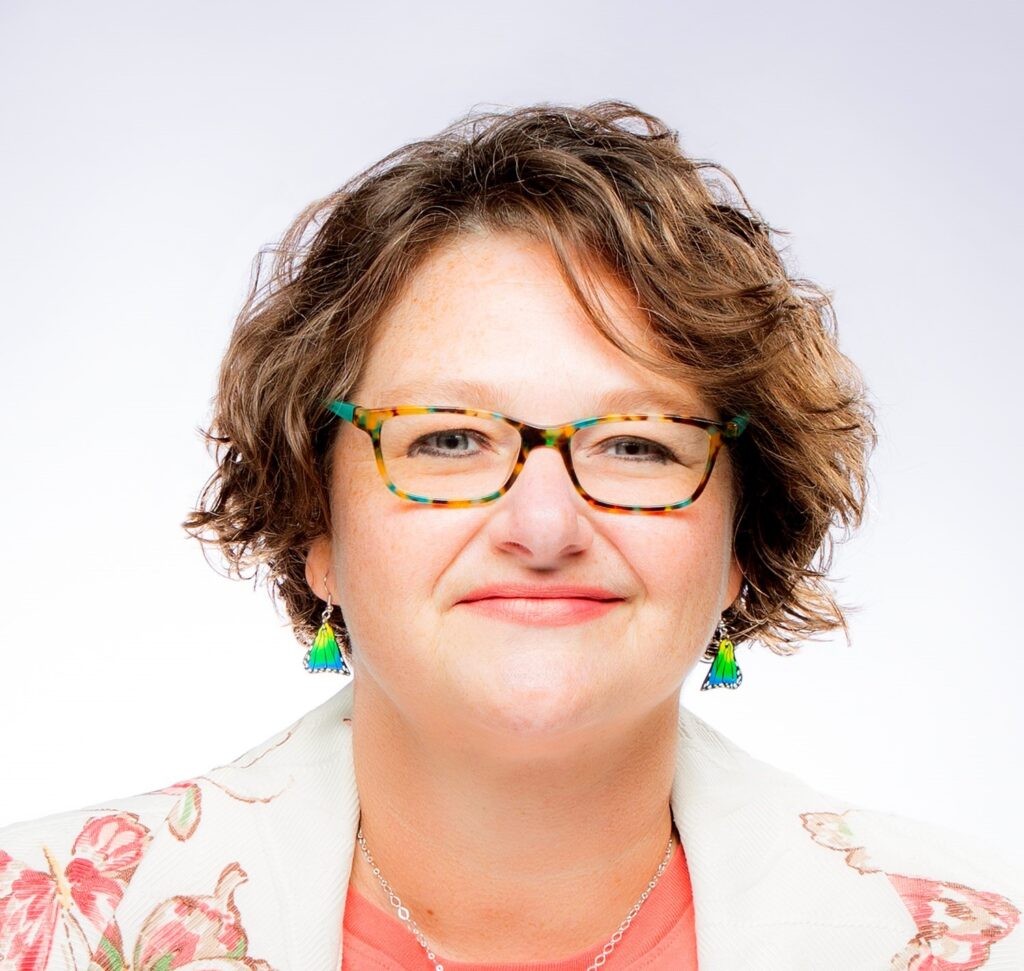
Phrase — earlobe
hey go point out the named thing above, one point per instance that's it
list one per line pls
(735, 582)
(318, 565)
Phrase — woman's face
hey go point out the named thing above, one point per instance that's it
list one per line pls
(493, 309)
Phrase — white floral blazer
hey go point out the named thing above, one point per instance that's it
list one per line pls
(246, 868)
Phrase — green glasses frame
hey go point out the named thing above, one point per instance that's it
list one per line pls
(370, 420)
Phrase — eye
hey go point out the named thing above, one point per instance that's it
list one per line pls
(635, 450)
(450, 436)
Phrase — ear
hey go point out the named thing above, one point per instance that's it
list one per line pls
(318, 565)
(735, 583)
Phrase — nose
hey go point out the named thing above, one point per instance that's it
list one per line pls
(540, 515)
(544, 469)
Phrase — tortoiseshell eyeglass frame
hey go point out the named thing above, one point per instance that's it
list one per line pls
(370, 420)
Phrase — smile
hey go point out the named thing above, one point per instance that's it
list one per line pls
(542, 611)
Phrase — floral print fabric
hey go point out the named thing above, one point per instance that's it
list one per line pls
(246, 867)
(956, 925)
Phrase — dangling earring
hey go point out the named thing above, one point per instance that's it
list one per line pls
(724, 672)
(324, 654)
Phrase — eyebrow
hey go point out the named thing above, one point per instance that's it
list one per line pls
(461, 392)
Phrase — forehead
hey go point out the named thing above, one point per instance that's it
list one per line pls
(488, 321)
(507, 398)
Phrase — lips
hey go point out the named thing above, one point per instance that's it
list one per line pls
(553, 609)
(520, 591)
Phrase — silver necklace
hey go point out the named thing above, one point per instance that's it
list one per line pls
(403, 912)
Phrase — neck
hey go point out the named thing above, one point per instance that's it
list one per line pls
(506, 851)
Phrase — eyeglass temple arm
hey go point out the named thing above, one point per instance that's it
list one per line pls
(342, 409)
(734, 427)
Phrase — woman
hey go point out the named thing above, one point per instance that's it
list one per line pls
(406, 421)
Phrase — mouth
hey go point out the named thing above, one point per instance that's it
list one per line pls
(542, 611)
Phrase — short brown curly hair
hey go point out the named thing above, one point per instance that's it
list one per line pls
(609, 188)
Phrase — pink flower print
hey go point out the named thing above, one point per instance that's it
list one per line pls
(40, 910)
(834, 832)
(185, 814)
(197, 933)
(956, 924)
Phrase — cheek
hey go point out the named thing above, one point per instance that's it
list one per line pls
(373, 549)
(365, 549)
(361, 508)
(682, 567)
(390, 556)
(685, 553)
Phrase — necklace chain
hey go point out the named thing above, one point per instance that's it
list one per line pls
(404, 915)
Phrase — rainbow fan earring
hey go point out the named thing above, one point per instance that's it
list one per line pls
(325, 654)
(725, 672)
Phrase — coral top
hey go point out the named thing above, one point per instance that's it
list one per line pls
(660, 938)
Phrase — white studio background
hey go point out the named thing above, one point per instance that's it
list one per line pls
(151, 150)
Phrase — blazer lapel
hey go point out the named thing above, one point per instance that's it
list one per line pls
(258, 853)
(765, 894)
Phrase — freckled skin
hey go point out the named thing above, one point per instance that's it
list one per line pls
(499, 733)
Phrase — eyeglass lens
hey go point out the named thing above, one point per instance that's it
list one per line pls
(451, 456)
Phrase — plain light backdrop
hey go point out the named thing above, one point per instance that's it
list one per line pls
(150, 151)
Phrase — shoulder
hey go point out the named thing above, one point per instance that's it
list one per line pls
(713, 763)
(956, 893)
(928, 890)
(961, 897)
(63, 875)
(150, 872)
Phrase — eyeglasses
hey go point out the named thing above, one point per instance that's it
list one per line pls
(465, 457)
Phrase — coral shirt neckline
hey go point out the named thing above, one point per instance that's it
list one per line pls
(367, 927)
